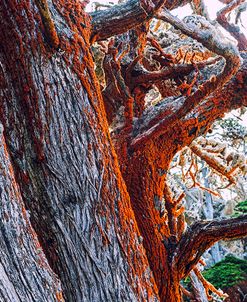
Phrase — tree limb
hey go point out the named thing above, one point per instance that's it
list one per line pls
(197, 239)
(232, 28)
(212, 161)
(232, 96)
(210, 38)
(170, 72)
(123, 17)
(208, 287)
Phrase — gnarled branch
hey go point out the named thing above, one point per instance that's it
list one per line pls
(232, 96)
(231, 28)
(210, 39)
(123, 17)
(197, 239)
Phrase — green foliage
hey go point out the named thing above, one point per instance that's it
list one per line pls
(227, 272)
(232, 129)
(241, 208)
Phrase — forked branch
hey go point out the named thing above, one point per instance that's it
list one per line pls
(211, 39)
(201, 236)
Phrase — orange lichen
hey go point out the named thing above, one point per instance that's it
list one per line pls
(208, 286)
(48, 23)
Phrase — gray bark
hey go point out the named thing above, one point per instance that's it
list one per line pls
(65, 164)
(24, 272)
(198, 288)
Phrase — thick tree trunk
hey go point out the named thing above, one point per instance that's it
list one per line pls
(66, 167)
(57, 137)
(24, 272)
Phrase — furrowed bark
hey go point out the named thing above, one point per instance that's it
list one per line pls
(143, 174)
(123, 17)
(24, 271)
(64, 162)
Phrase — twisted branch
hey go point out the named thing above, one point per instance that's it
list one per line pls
(201, 236)
(210, 38)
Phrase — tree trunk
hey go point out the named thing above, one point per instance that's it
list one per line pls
(24, 272)
(144, 173)
(65, 165)
(209, 214)
(67, 169)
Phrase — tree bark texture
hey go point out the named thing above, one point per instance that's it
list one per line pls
(64, 163)
(24, 271)
(86, 216)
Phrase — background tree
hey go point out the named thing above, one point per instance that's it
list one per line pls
(103, 229)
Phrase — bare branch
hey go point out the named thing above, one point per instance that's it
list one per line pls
(123, 17)
(212, 161)
(198, 288)
(208, 286)
(197, 239)
(210, 38)
(170, 72)
(232, 28)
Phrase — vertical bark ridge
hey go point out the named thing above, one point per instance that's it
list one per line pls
(24, 271)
